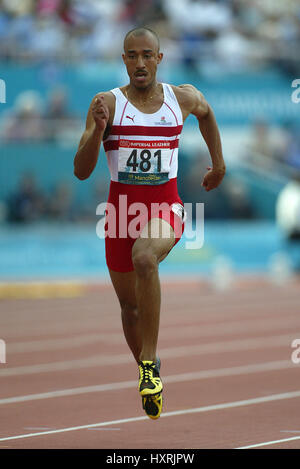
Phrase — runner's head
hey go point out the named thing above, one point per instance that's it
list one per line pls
(141, 56)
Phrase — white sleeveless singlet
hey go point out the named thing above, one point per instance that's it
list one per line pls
(143, 148)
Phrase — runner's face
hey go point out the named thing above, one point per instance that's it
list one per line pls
(141, 57)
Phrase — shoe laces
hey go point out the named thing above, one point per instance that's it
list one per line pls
(147, 371)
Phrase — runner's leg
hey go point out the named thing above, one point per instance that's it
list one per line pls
(124, 285)
(147, 252)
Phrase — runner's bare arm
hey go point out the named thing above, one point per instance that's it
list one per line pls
(193, 102)
(97, 124)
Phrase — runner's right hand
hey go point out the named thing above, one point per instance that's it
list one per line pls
(100, 113)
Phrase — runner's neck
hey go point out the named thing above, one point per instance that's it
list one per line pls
(146, 99)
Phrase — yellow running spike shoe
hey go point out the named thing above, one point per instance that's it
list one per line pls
(149, 379)
(152, 405)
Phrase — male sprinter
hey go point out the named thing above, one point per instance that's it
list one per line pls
(140, 125)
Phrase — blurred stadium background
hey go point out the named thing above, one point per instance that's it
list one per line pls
(55, 55)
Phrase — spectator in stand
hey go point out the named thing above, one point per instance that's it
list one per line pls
(60, 206)
(25, 122)
(267, 146)
(28, 122)
(63, 9)
(60, 122)
(293, 148)
(223, 34)
(198, 24)
(27, 204)
(259, 147)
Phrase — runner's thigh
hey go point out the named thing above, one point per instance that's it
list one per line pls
(157, 238)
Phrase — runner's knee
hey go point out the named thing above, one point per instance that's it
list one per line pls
(129, 313)
(144, 262)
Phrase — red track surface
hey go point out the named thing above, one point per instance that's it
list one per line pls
(226, 367)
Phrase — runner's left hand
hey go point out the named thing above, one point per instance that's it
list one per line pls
(212, 178)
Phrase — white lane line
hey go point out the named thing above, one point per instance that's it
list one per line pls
(38, 428)
(98, 429)
(171, 352)
(178, 330)
(226, 405)
(80, 427)
(62, 343)
(253, 343)
(178, 378)
(289, 431)
(267, 443)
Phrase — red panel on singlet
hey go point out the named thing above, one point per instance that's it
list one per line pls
(115, 144)
(159, 131)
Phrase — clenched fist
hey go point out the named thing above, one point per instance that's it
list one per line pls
(213, 178)
(100, 113)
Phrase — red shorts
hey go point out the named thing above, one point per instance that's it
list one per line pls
(129, 209)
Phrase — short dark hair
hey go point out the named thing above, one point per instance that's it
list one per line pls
(141, 31)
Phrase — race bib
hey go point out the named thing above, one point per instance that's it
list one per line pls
(144, 162)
